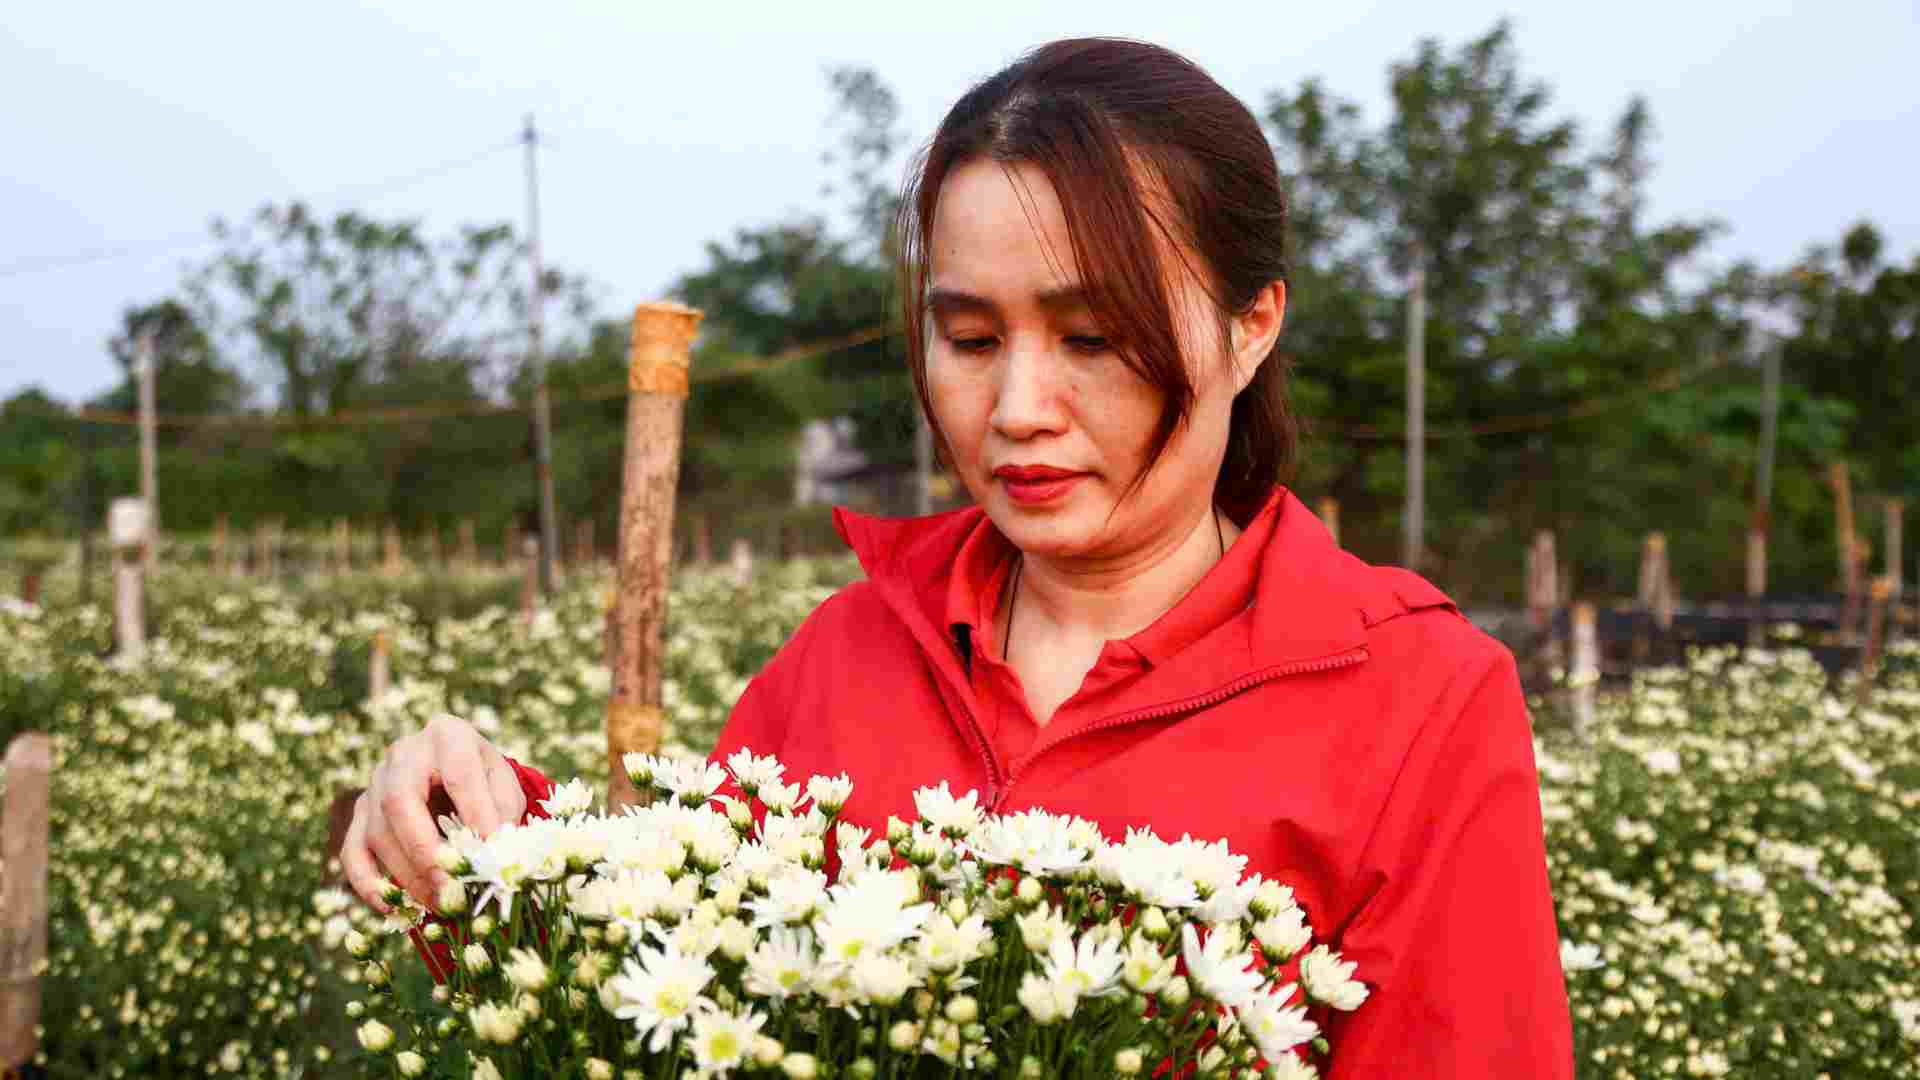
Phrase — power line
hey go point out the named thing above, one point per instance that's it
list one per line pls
(360, 192)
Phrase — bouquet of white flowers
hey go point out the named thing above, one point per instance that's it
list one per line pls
(702, 936)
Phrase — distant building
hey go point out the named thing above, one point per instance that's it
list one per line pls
(827, 463)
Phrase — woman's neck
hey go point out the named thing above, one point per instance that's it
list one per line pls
(1089, 601)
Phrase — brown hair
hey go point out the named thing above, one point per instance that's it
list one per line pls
(1122, 129)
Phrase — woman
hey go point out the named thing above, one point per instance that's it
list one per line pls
(1135, 623)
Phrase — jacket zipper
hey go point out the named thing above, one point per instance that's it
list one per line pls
(1242, 684)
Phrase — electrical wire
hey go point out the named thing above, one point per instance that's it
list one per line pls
(182, 241)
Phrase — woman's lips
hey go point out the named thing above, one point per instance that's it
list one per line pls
(1033, 487)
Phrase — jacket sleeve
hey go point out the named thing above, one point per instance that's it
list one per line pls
(1457, 940)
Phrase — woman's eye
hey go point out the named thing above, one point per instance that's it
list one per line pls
(972, 345)
(1088, 343)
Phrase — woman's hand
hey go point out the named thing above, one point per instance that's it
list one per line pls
(394, 831)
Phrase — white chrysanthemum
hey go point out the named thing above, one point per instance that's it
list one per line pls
(692, 782)
(830, 793)
(875, 912)
(782, 964)
(1041, 927)
(1576, 957)
(1275, 1026)
(1090, 965)
(722, 1040)
(883, 978)
(568, 799)
(1045, 1000)
(526, 971)
(1033, 840)
(1220, 969)
(946, 945)
(751, 772)
(1145, 968)
(953, 816)
(1291, 1066)
(1284, 933)
(1329, 979)
(658, 991)
(794, 895)
(1148, 873)
(502, 864)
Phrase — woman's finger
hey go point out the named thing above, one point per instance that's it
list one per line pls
(508, 796)
(394, 857)
(462, 767)
(357, 861)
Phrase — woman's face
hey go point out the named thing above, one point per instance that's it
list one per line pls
(1047, 425)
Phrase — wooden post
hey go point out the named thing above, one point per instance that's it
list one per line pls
(1654, 591)
(30, 586)
(149, 445)
(589, 551)
(1543, 580)
(1756, 576)
(127, 529)
(657, 363)
(1844, 535)
(469, 548)
(23, 895)
(742, 561)
(1585, 674)
(379, 667)
(1880, 591)
(530, 578)
(702, 540)
(220, 545)
(510, 546)
(343, 545)
(1330, 516)
(1896, 554)
(392, 536)
(433, 547)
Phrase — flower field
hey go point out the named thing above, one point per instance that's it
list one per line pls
(1735, 851)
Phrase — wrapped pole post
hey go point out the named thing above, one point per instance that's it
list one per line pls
(529, 579)
(379, 667)
(657, 364)
(23, 895)
(127, 530)
(1877, 595)
(1543, 580)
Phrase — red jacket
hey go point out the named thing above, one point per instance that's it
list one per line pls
(1340, 724)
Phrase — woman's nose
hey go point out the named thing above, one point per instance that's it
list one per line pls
(1027, 401)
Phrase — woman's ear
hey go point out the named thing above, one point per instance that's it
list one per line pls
(1255, 330)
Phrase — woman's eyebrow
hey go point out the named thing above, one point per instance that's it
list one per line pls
(953, 301)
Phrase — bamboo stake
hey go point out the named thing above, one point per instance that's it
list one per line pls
(392, 538)
(469, 548)
(702, 540)
(742, 561)
(23, 895)
(1896, 554)
(529, 579)
(220, 545)
(657, 365)
(1878, 593)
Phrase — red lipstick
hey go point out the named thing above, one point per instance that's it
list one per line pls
(1034, 485)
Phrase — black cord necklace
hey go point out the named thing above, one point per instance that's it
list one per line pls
(1006, 644)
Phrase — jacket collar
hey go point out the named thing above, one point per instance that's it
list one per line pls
(1310, 599)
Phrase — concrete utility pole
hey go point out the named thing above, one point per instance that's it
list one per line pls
(149, 472)
(542, 419)
(1416, 512)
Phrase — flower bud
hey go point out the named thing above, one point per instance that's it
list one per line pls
(863, 1068)
(433, 931)
(355, 1010)
(766, 1051)
(1128, 1062)
(483, 925)
(410, 1063)
(526, 971)
(374, 973)
(375, 1036)
(799, 1066)
(1029, 893)
(1031, 1069)
(390, 893)
(476, 959)
(452, 899)
(903, 1035)
(357, 945)
(963, 1009)
(599, 1069)
(1153, 923)
(1177, 993)
(452, 860)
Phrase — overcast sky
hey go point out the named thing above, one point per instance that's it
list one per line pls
(130, 126)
